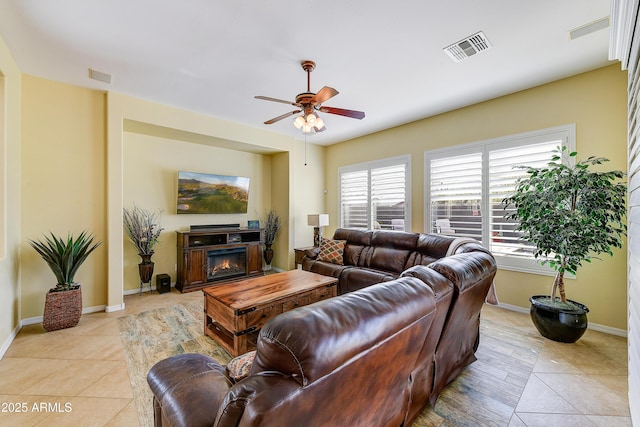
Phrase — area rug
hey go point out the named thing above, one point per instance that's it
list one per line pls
(485, 394)
(151, 336)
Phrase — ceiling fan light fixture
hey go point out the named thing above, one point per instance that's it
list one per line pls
(299, 122)
(308, 102)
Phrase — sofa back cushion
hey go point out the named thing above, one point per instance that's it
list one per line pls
(389, 250)
(352, 357)
(312, 341)
(429, 248)
(356, 242)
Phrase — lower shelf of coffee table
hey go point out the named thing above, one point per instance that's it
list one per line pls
(226, 338)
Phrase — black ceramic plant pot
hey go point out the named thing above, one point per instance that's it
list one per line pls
(558, 324)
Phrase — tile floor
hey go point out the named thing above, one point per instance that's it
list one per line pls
(78, 376)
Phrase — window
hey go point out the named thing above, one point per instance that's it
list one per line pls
(465, 186)
(376, 194)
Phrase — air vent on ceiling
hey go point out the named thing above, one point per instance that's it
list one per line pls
(99, 76)
(468, 47)
(589, 28)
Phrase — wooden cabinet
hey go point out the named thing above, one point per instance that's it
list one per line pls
(194, 249)
(194, 263)
(254, 258)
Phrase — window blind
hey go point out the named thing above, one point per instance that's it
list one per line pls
(456, 195)
(503, 174)
(375, 195)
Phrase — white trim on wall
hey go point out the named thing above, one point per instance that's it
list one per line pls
(625, 47)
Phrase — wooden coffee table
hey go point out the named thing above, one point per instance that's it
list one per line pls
(234, 312)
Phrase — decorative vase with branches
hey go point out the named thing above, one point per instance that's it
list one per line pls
(143, 228)
(272, 226)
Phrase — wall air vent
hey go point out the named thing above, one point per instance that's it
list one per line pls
(468, 47)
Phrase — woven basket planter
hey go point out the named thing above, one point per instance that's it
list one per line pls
(62, 309)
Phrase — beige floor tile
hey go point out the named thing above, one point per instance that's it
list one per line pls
(23, 410)
(70, 377)
(128, 417)
(86, 412)
(604, 421)
(576, 359)
(115, 383)
(539, 397)
(106, 348)
(18, 375)
(590, 394)
(554, 420)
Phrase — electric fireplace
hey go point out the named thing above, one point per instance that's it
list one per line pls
(226, 262)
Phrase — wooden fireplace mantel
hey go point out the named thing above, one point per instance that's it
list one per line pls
(192, 248)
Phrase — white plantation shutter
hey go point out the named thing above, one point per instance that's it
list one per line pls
(456, 195)
(354, 201)
(375, 194)
(465, 186)
(388, 193)
(503, 175)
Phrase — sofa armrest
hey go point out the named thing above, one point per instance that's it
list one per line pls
(188, 389)
(312, 252)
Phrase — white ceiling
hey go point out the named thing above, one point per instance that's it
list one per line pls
(385, 58)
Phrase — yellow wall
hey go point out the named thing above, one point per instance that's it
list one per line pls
(10, 135)
(594, 101)
(127, 116)
(308, 191)
(151, 166)
(63, 183)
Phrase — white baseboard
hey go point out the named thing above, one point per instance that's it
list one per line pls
(9, 341)
(593, 326)
(38, 319)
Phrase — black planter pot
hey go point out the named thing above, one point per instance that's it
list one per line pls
(558, 324)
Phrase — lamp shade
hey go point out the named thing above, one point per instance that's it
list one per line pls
(318, 220)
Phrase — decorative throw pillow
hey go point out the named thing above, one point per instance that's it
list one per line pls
(238, 368)
(332, 251)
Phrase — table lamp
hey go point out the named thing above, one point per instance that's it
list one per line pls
(317, 221)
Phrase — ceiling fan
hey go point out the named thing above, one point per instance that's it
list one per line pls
(308, 103)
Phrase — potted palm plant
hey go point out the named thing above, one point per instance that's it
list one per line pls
(63, 303)
(571, 214)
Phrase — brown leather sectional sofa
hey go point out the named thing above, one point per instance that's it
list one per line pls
(375, 356)
(374, 256)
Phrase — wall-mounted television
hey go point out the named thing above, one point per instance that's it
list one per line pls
(202, 193)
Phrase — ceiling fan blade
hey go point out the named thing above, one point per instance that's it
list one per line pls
(284, 116)
(322, 129)
(342, 112)
(266, 98)
(324, 94)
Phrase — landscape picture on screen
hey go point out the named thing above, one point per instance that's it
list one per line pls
(201, 193)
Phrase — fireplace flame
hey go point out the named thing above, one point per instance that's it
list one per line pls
(222, 266)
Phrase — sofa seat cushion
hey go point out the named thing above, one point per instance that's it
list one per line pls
(353, 278)
(324, 268)
(332, 251)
